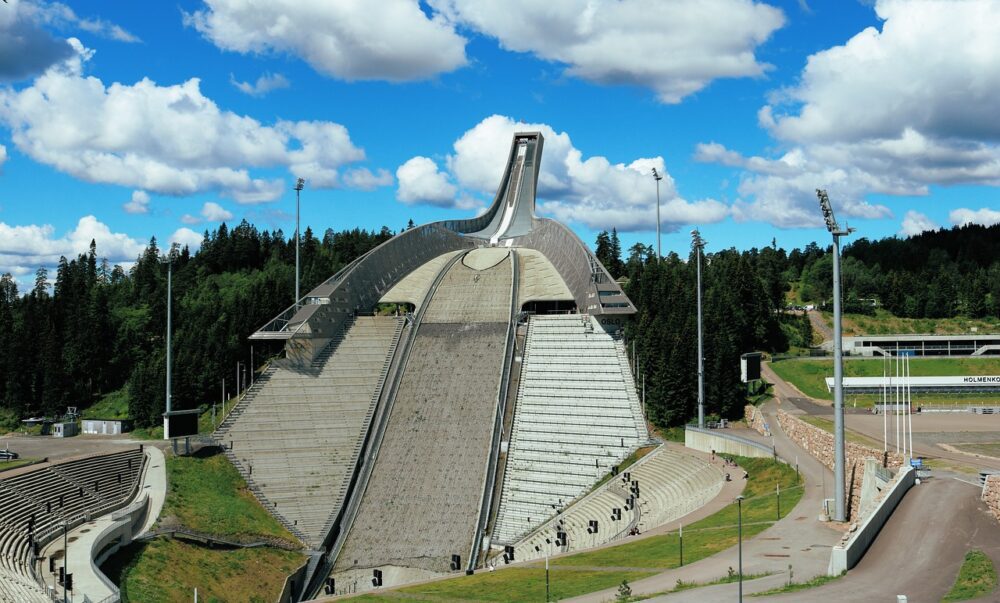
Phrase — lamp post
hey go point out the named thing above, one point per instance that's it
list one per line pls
(171, 256)
(838, 359)
(739, 503)
(657, 176)
(65, 555)
(298, 189)
(699, 247)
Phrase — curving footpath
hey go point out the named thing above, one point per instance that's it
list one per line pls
(798, 539)
(87, 579)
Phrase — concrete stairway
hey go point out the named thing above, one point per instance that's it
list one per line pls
(296, 435)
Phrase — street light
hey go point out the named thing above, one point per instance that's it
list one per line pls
(657, 176)
(298, 189)
(739, 503)
(699, 247)
(171, 256)
(838, 358)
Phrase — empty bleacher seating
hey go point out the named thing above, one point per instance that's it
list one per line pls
(297, 435)
(577, 415)
(38, 503)
(671, 485)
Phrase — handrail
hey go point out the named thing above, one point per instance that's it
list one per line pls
(489, 485)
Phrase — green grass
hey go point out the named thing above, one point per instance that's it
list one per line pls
(625, 464)
(606, 568)
(986, 448)
(810, 375)
(111, 406)
(7, 465)
(885, 323)
(9, 421)
(682, 586)
(167, 570)
(209, 495)
(792, 587)
(976, 578)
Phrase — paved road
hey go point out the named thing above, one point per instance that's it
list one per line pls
(919, 550)
(819, 325)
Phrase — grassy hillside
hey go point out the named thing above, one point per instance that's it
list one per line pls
(885, 323)
(167, 570)
(809, 374)
(590, 571)
(208, 495)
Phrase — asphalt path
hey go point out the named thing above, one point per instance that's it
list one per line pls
(919, 551)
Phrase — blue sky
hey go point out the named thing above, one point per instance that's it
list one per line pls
(123, 120)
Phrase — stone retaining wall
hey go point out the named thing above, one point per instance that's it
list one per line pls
(819, 443)
(754, 419)
(991, 494)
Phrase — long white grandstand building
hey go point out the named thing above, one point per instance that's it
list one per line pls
(416, 446)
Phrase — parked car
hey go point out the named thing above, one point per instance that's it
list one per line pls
(8, 455)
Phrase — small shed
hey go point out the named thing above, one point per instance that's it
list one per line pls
(106, 426)
(64, 430)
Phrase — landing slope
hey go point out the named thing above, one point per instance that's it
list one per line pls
(422, 501)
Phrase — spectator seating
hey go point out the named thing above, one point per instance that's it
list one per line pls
(298, 432)
(51, 495)
(671, 485)
(577, 415)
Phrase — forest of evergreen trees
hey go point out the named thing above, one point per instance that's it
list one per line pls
(936, 274)
(91, 329)
(96, 329)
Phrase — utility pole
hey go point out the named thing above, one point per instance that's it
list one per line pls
(657, 176)
(298, 189)
(699, 247)
(840, 513)
(171, 256)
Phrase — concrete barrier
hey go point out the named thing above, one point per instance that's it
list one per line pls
(846, 555)
(707, 440)
(991, 494)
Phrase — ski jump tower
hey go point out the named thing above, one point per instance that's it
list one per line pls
(406, 445)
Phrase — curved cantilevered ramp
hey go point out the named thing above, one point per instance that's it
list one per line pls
(398, 463)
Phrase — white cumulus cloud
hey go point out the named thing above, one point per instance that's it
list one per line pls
(420, 181)
(139, 204)
(915, 223)
(3, 155)
(352, 40)
(26, 247)
(984, 216)
(170, 140)
(675, 48)
(593, 191)
(894, 110)
(210, 212)
(264, 84)
(186, 236)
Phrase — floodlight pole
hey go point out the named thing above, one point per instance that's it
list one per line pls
(657, 176)
(739, 503)
(298, 189)
(699, 246)
(840, 513)
(170, 265)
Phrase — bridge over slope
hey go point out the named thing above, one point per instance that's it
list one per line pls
(422, 502)
(297, 435)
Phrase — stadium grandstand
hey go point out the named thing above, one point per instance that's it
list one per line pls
(496, 402)
(923, 345)
(40, 500)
